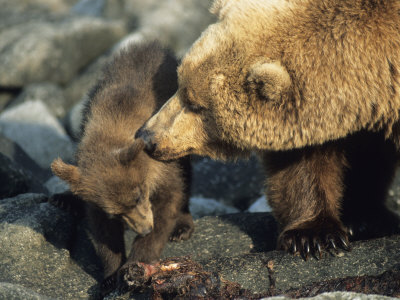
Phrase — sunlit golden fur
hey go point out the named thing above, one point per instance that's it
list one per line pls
(295, 81)
(342, 58)
(116, 178)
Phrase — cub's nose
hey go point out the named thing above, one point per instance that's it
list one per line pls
(147, 137)
(146, 231)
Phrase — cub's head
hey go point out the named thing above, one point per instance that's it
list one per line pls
(115, 183)
(228, 85)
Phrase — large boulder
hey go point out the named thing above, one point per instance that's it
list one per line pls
(21, 11)
(53, 50)
(177, 24)
(18, 172)
(17, 155)
(238, 247)
(37, 131)
(37, 251)
(12, 291)
(49, 93)
(15, 180)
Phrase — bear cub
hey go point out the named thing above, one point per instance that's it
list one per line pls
(118, 182)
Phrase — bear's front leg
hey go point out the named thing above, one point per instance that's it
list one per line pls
(305, 188)
(107, 234)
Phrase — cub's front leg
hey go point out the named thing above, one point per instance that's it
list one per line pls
(107, 235)
(305, 188)
(166, 210)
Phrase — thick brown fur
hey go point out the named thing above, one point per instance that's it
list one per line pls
(302, 76)
(318, 193)
(114, 176)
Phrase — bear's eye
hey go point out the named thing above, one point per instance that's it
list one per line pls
(194, 108)
(190, 105)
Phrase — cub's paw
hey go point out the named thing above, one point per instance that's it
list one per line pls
(108, 284)
(69, 202)
(314, 238)
(181, 232)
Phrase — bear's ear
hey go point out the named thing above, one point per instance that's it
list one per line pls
(129, 153)
(66, 172)
(269, 79)
(217, 8)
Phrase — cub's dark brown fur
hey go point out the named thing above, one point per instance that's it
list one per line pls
(318, 192)
(115, 178)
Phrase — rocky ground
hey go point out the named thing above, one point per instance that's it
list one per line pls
(51, 52)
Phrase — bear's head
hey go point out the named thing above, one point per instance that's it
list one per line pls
(116, 183)
(229, 83)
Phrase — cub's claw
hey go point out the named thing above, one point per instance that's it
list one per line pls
(181, 232)
(108, 284)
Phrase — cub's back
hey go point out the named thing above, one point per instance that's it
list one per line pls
(138, 81)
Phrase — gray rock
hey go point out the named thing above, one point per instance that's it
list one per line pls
(393, 201)
(11, 291)
(47, 92)
(56, 186)
(200, 207)
(18, 156)
(6, 96)
(92, 8)
(236, 184)
(239, 246)
(36, 130)
(260, 205)
(177, 24)
(38, 242)
(53, 50)
(338, 296)
(13, 179)
(34, 238)
(227, 236)
(22, 11)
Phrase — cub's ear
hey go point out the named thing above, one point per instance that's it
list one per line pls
(129, 153)
(66, 172)
(269, 79)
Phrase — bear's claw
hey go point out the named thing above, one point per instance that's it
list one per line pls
(308, 242)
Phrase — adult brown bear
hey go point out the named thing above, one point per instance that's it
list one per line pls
(316, 81)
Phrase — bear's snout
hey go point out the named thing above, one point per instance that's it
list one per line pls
(147, 137)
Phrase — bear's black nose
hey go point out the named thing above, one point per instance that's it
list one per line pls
(141, 133)
(146, 136)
